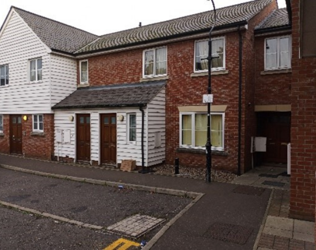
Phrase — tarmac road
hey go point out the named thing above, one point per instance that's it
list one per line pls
(92, 204)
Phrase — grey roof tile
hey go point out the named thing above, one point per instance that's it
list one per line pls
(117, 95)
(278, 18)
(56, 35)
(176, 27)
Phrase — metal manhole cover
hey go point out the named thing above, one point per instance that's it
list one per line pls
(136, 225)
(229, 232)
(249, 190)
(273, 183)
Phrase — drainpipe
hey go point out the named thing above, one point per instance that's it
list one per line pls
(239, 101)
(143, 171)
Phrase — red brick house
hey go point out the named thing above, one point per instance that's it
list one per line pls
(172, 53)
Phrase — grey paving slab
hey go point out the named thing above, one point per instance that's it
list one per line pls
(279, 223)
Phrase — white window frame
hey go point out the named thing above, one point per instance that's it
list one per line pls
(6, 74)
(36, 70)
(128, 128)
(213, 68)
(154, 66)
(37, 130)
(80, 63)
(279, 67)
(193, 130)
(1, 123)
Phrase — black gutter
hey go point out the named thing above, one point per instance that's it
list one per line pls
(164, 38)
(239, 101)
(143, 171)
(102, 106)
(273, 29)
(289, 10)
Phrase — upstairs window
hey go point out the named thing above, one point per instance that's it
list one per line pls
(1, 123)
(4, 75)
(36, 70)
(38, 123)
(84, 72)
(155, 62)
(193, 131)
(218, 54)
(278, 53)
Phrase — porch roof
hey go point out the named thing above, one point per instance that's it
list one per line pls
(116, 95)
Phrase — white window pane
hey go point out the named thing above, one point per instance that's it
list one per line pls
(201, 54)
(1, 123)
(271, 61)
(218, 53)
(186, 129)
(284, 44)
(149, 62)
(41, 126)
(284, 60)
(216, 131)
(84, 72)
(132, 127)
(271, 46)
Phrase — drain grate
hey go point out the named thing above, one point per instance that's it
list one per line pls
(249, 190)
(229, 233)
(136, 225)
(273, 183)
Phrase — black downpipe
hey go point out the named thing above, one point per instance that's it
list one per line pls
(239, 100)
(143, 171)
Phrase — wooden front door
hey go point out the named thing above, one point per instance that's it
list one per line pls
(83, 137)
(16, 134)
(277, 129)
(108, 138)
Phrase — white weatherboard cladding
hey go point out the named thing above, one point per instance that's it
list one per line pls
(63, 78)
(154, 122)
(124, 149)
(18, 44)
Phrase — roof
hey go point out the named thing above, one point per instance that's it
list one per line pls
(278, 18)
(56, 35)
(227, 16)
(117, 95)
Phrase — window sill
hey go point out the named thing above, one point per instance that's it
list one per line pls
(1, 134)
(83, 85)
(201, 151)
(154, 78)
(213, 73)
(277, 71)
(4, 86)
(40, 134)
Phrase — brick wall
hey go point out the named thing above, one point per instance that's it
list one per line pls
(303, 132)
(5, 137)
(270, 88)
(38, 145)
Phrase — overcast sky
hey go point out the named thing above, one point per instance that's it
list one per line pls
(103, 16)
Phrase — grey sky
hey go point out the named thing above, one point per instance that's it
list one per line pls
(103, 16)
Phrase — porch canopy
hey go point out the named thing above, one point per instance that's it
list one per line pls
(116, 95)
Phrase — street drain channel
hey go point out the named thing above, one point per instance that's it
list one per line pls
(136, 225)
(229, 233)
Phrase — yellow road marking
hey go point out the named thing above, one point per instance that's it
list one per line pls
(122, 243)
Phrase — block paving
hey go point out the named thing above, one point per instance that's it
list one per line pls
(136, 225)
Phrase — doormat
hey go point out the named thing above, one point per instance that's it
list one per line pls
(229, 233)
(273, 183)
(249, 190)
(136, 225)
